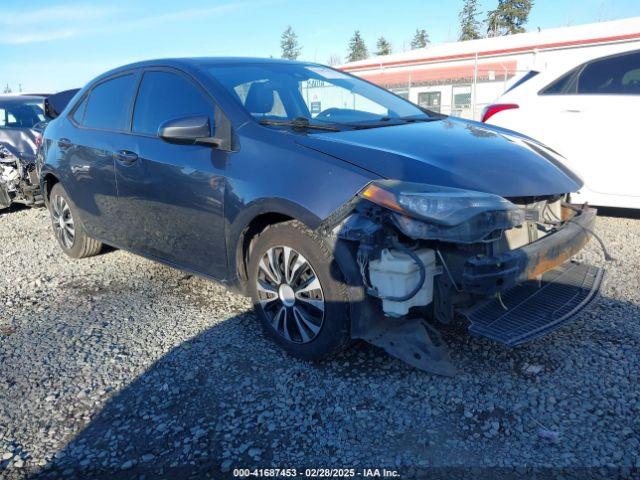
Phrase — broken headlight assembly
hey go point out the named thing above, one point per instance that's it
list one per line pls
(447, 214)
(18, 179)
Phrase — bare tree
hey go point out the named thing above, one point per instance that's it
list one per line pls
(334, 59)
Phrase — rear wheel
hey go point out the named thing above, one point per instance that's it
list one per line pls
(298, 291)
(69, 232)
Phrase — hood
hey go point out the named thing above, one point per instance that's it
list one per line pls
(452, 153)
(20, 140)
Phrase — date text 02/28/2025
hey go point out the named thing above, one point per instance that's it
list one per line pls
(315, 473)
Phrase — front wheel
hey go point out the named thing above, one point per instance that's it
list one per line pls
(69, 232)
(298, 291)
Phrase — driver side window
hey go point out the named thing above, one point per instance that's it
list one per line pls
(166, 96)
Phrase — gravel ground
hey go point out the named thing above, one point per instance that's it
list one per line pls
(117, 365)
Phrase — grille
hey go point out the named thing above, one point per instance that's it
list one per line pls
(535, 308)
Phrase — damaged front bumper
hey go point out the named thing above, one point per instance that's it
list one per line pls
(486, 275)
(510, 295)
(18, 178)
(535, 307)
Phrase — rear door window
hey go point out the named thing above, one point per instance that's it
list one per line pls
(109, 104)
(562, 85)
(166, 96)
(612, 75)
(525, 78)
(78, 113)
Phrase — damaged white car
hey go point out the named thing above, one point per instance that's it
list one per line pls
(23, 118)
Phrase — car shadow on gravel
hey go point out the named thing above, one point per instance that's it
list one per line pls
(13, 208)
(228, 398)
(630, 213)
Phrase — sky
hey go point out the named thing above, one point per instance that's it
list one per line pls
(48, 45)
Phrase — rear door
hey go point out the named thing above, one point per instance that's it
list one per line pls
(604, 132)
(172, 195)
(87, 144)
(547, 114)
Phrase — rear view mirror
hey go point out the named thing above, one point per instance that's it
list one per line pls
(188, 130)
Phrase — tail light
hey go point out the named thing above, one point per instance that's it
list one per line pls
(491, 110)
(38, 141)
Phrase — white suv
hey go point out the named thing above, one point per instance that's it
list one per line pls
(589, 114)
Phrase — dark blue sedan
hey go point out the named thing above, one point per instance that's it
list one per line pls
(343, 210)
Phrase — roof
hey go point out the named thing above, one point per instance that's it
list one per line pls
(593, 33)
(198, 61)
(20, 98)
(194, 63)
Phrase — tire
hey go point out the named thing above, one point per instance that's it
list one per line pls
(69, 232)
(300, 313)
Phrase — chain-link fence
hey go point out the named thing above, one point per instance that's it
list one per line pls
(459, 90)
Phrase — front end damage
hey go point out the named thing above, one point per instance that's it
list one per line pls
(426, 254)
(18, 178)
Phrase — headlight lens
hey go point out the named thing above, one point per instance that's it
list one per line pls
(444, 213)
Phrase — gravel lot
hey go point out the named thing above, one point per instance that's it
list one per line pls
(118, 365)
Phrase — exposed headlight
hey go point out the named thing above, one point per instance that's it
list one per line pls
(443, 213)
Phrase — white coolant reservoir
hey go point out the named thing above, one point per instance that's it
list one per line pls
(396, 274)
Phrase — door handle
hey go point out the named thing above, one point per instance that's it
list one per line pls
(126, 157)
(64, 143)
(80, 168)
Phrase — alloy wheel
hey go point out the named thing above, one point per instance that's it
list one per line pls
(290, 294)
(63, 221)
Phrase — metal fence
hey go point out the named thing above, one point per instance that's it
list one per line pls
(452, 90)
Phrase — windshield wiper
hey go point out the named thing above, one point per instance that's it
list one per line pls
(300, 123)
(390, 122)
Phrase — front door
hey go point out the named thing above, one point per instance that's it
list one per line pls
(171, 196)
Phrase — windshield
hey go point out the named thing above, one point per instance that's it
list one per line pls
(285, 92)
(17, 114)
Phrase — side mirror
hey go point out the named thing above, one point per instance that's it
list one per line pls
(195, 130)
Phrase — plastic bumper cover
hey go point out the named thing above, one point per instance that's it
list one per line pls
(487, 275)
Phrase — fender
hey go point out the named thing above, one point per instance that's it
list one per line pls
(239, 226)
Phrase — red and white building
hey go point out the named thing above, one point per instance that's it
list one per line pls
(461, 78)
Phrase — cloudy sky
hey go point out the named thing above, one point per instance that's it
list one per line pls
(48, 45)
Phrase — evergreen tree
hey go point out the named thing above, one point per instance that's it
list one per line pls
(383, 47)
(469, 25)
(357, 48)
(509, 18)
(7, 89)
(420, 39)
(289, 44)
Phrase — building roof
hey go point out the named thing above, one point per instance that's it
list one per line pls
(552, 38)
